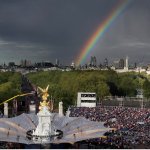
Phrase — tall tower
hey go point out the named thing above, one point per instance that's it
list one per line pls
(94, 61)
(91, 61)
(127, 58)
(57, 62)
(126, 63)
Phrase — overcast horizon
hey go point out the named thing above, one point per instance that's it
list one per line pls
(53, 29)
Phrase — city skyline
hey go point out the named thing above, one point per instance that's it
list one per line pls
(53, 29)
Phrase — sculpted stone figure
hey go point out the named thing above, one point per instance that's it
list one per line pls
(45, 95)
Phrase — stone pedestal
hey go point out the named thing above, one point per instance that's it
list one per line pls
(6, 110)
(61, 109)
(44, 130)
(32, 109)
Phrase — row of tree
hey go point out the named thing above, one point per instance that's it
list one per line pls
(9, 85)
(65, 85)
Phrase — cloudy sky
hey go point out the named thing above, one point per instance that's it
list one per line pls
(41, 30)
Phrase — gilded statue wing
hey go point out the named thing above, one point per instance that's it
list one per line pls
(42, 90)
(47, 88)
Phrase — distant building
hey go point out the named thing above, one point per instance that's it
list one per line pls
(72, 65)
(57, 62)
(121, 63)
(25, 63)
(116, 64)
(45, 64)
(4, 65)
(86, 99)
(106, 62)
(135, 65)
(126, 67)
(93, 61)
(11, 64)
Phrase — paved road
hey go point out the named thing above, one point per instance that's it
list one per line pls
(27, 87)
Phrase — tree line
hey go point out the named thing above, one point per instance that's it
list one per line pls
(10, 83)
(63, 86)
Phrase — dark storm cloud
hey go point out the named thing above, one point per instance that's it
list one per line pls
(49, 29)
(128, 35)
(51, 19)
(58, 26)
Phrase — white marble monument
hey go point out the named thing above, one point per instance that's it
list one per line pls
(45, 131)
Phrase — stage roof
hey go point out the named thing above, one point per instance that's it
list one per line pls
(74, 128)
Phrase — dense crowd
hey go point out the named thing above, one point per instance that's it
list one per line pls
(132, 124)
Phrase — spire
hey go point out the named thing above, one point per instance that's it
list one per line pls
(127, 59)
(126, 67)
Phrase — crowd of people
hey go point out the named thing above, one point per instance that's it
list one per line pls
(132, 125)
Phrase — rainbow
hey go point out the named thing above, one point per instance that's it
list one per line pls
(91, 42)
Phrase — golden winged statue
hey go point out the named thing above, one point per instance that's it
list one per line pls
(45, 95)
